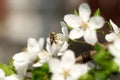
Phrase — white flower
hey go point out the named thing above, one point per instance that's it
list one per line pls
(113, 35)
(34, 47)
(64, 30)
(2, 74)
(21, 62)
(117, 61)
(59, 44)
(115, 48)
(23, 59)
(43, 58)
(11, 77)
(83, 25)
(66, 68)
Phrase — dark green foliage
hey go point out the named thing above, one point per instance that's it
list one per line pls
(41, 73)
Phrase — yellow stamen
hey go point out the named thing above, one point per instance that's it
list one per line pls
(66, 73)
(84, 26)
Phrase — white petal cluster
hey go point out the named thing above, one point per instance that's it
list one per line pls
(113, 35)
(11, 77)
(115, 48)
(23, 59)
(66, 68)
(60, 44)
(115, 51)
(83, 25)
(43, 58)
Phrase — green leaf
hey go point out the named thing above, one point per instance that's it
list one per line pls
(100, 75)
(86, 77)
(11, 62)
(76, 12)
(11, 66)
(100, 53)
(112, 67)
(102, 57)
(69, 27)
(99, 47)
(8, 71)
(41, 73)
(110, 26)
(97, 12)
(101, 31)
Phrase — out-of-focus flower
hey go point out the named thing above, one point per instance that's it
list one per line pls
(23, 59)
(83, 25)
(21, 62)
(113, 35)
(59, 43)
(43, 58)
(115, 48)
(2, 74)
(66, 68)
(11, 77)
(117, 61)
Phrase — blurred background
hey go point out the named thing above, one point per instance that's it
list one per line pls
(21, 19)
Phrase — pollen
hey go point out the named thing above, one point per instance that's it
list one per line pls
(66, 73)
(57, 39)
(84, 25)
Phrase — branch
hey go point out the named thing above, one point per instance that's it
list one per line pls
(87, 56)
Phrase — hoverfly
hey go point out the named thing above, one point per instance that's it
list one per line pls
(52, 37)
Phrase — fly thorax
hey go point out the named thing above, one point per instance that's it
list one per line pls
(59, 39)
(25, 50)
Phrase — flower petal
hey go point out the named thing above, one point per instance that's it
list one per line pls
(38, 64)
(96, 22)
(68, 59)
(110, 37)
(55, 65)
(41, 43)
(21, 67)
(117, 44)
(55, 48)
(90, 36)
(48, 45)
(114, 51)
(32, 45)
(72, 20)
(22, 56)
(78, 70)
(43, 56)
(117, 61)
(115, 27)
(64, 46)
(2, 74)
(64, 28)
(57, 77)
(76, 33)
(84, 11)
(13, 77)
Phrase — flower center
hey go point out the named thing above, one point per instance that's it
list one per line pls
(66, 73)
(43, 55)
(84, 25)
(58, 39)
